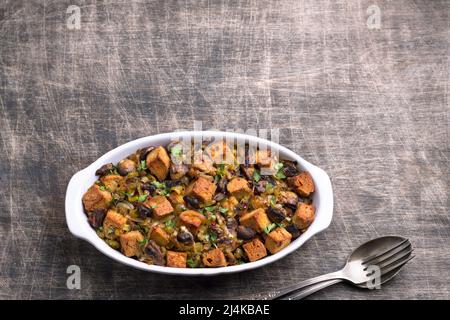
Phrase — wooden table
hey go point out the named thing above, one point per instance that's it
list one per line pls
(368, 105)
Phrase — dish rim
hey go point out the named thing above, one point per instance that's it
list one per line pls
(78, 224)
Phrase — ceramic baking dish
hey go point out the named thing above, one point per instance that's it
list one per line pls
(82, 180)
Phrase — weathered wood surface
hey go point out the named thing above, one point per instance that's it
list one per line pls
(369, 106)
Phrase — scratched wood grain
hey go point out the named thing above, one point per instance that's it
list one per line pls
(369, 106)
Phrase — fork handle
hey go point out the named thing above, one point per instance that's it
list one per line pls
(306, 291)
(306, 283)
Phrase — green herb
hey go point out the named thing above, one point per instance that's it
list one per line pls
(221, 169)
(212, 237)
(272, 201)
(143, 242)
(278, 166)
(211, 208)
(142, 166)
(269, 228)
(256, 176)
(269, 186)
(154, 206)
(100, 228)
(223, 210)
(176, 151)
(159, 185)
(110, 230)
(142, 198)
(103, 188)
(280, 174)
(191, 263)
(170, 223)
(212, 217)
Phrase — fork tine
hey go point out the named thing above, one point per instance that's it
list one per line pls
(387, 254)
(396, 265)
(395, 258)
(379, 254)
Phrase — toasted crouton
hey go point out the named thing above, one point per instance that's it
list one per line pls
(176, 259)
(229, 203)
(160, 236)
(256, 219)
(304, 216)
(192, 218)
(255, 249)
(130, 243)
(113, 221)
(202, 188)
(160, 206)
(277, 240)
(239, 187)
(214, 258)
(113, 182)
(95, 198)
(302, 183)
(158, 162)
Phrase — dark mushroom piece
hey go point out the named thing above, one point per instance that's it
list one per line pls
(96, 218)
(232, 225)
(245, 233)
(222, 185)
(219, 196)
(292, 229)
(178, 171)
(125, 167)
(155, 253)
(105, 169)
(192, 202)
(150, 187)
(185, 237)
(144, 211)
(290, 168)
(275, 215)
(144, 152)
(247, 171)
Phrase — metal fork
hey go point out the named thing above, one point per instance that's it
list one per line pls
(386, 254)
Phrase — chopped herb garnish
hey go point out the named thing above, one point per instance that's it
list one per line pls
(212, 217)
(143, 242)
(110, 230)
(256, 176)
(159, 185)
(269, 186)
(272, 201)
(103, 188)
(142, 165)
(269, 228)
(280, 174)
(209, 209)
(191, 263)
(223, 210)
(176, 151)
(153, 206)
(143, 197)
(212, 237)
(170, 223)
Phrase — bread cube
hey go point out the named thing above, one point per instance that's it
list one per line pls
(202, 188)
(130, 243)
(277, 240)
(160, 236)
(176, 259)
(160, 206)
(214, 258)
(256, 219)
(95, 198)
(239, 187)
(158, 162)
(113, 182)
(255, 250)
(192, 218)
(302, 183)
(113, 220)
(304, 216)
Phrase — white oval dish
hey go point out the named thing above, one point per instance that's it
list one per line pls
(82, 180)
